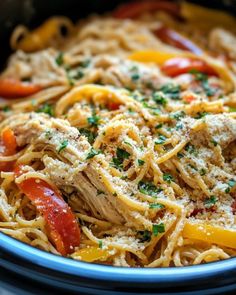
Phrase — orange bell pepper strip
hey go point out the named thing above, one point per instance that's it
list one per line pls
(136, 8)
(8, 147)
(209, 233)
(181, 65)
(12, 88)
(61, 224)
(91, 254)
(173, 38)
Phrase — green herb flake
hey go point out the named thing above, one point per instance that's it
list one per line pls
(89, 134)
(172, 91)
(92, 153)
(158, 228)
(149, 188)
(231, 182)
(100, 244)
(177, 115)
(144, 235)
(48, 134)
(214, 142)
(140, 162)
(161, 140)
(180, 155)
(201, 115)
(202, 172)
(168, 177)
(47, 109)
(232, 110)
(6, 109)
(210, 202)
(156, 206)
(190, 148)
(159, 126)
(121, 155)
(85, 63)
(94, 120)
(159, 99)
(60, 59)
(63, 145)
(135, 76)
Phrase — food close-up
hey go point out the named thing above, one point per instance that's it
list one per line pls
(118, 136)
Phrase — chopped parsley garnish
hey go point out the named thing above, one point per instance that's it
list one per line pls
(48, 134)
(46, 108)
(155, 110)
(92, 153)
(203, 78)
(6, 109)
(63, 145)
(172, 91)
(158, 228)
(135, 76)
(201, 115)
(159, 126)
(210, 202)
(232, 110)
(144, 235)
(179, 126)
(168, 177)
(156, 206)
(78, 75)
(99, 192)
(100, 244)
(161, 139)
(89, 134)
(85, 63)
(202, 172)
(60, 59)
(94, 120)
(231, 183)
(179, 155)
(70, 79)
(140, 162)
(177, 115)
(159, 99)
(149, 188)
(214, 142)
(190, 148)
(121, 155)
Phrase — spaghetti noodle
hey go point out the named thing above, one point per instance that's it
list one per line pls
(118, 139)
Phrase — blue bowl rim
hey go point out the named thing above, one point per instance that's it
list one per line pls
(112, 273)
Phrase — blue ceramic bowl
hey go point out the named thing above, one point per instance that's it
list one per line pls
(86, 278)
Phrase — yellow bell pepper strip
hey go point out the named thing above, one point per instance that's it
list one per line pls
(158, 57)
(91, 254)
(208, 17)
(43, 35)
(209, 233)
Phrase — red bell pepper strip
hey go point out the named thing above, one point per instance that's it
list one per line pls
(8, 147)
(61, 224)
(135, 9)
(173, 38)
(11, 88)
(181, 65)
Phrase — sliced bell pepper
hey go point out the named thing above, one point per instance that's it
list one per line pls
(61, 224)
(181, 65)
(136, 8)
(209, 233)
(173, 38)
(91, 254)
(8, 147)
(12, 88)
(43, 35)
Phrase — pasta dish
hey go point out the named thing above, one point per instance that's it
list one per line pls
(118, 136)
